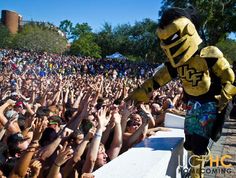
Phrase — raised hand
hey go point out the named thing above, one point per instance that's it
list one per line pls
(39, 127)
(11, 121)
(145, 108)
(6, 94)
(11, 102)
(116, 117)
(85, 101)
(127, 109)
(66, 132)
(35, 168)
(90, 133)
(102, 119)
(145, 112)
(85, 105)
(65, 153)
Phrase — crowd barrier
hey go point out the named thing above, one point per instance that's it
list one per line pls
(156, 157)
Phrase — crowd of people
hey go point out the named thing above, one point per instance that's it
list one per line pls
(66, 116)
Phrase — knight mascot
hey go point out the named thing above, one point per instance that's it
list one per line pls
(206, 76)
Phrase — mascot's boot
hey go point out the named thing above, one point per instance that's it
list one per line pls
(198, 163)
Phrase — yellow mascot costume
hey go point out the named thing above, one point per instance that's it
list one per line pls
(206, 77)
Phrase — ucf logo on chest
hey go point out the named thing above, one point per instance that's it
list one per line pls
(190, 74)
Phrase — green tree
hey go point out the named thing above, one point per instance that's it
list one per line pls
(145, 42)
(122, 42)
(66, 26)
(5, 37)
(228, 47)
(106, 40)
(81, 30)
(40, 39)
(84, 41)
(138, 41)
(218, 17)
(86, 46)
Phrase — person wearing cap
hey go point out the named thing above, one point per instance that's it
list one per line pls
(54, 122)
(14, 96)
(16, 143)
(11, 113)
(19, 107)
(6, 117)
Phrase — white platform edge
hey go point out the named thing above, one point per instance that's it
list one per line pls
(155, 157)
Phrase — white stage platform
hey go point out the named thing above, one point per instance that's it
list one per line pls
(155, 157)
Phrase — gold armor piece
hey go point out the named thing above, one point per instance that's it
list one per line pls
(230, 89)
(211, 51)
(179, 40)
(138, 95)
(162, 75)
(195, 76)
(222, 69)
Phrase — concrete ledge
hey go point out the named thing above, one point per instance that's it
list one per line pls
(155, 157)
(174, 121)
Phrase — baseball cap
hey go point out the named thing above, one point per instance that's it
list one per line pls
(54, 120)
(19, 104)
(15, 138)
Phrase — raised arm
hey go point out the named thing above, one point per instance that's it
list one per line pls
(64, 155)
(50, 149)
(164, 74)
(21, 167)
(93, 149)
(78, 153)
(78, 99)
(81, 113)
(13, 128)
(116, 144)
(138, 136)
(128, 108)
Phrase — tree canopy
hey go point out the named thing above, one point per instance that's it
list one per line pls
(83, 39)
(228, 47)
(86, 46)
(38, 38)
(218, 17)
(5, 37)
(138, 40)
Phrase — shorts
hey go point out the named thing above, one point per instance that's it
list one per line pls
(199, 118)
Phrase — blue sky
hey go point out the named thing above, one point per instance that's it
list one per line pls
(94, 12)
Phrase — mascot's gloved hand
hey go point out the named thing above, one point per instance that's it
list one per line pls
(223, 100)
(226, 95)
(141, 94)
(138, 95)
